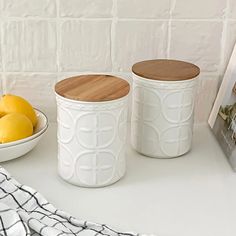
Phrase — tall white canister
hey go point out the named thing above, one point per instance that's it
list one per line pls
(92, 123)
(163, 106)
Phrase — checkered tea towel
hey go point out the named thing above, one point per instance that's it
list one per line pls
(24, 211)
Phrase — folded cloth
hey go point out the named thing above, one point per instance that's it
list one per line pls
(24, 211)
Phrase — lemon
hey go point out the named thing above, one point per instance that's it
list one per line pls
(15, 126)
(1, 114)
(15, 104)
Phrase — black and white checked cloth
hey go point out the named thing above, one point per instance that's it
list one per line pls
(24, 211)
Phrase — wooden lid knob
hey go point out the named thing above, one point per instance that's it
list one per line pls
(93, 88)
(166, 70)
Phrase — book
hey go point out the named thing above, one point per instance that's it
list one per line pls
(222, 119)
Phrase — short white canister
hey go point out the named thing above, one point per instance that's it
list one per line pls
(92, 124)
(163, 106)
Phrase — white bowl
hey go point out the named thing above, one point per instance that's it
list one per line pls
(20, 149)
(12, 150)
(40, 128)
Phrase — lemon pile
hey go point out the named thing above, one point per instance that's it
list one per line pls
(17, 118)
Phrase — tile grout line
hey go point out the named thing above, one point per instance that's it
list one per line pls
(172, 6)
(113, 34)
(58, 37)
(53, 19)
(2, 56)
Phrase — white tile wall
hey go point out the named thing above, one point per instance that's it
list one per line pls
(232, 9)
(86, 8)
(85, 45)
(143, 9)
(25, 8)
(230, 41)
(192, 9)
(197, 41)
(42, 41)
(0, 84)
(29, 45)
(0, 45)
(138, 40)
(207, 88)
(1, 7)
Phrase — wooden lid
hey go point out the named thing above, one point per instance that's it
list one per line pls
(166, 70)
(93, 88)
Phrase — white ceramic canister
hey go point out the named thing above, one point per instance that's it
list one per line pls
(163, 106)
(92, 124)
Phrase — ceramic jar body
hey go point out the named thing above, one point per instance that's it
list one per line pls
(91, 140)
(162, 116)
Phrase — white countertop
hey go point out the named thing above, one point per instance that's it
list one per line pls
(193, 195)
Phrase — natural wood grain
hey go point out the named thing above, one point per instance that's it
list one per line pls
(93, 88)
(166, 70)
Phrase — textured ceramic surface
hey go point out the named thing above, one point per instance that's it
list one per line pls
(162, 116)
(91, 140)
